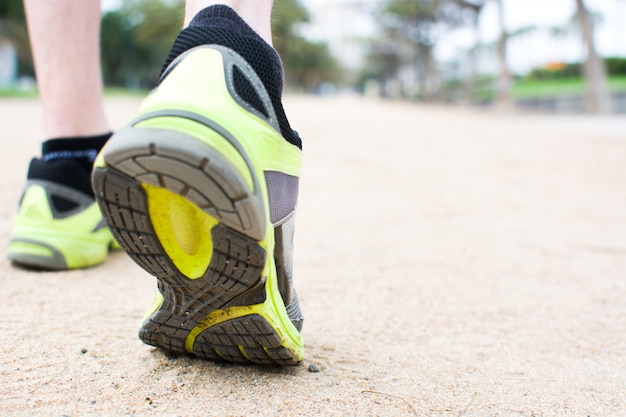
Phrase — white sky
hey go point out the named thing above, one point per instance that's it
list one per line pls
(110, 4)
(530, 50)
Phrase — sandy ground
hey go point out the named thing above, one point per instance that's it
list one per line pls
(449, 263)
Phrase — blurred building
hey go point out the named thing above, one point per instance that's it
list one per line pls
(8, 64)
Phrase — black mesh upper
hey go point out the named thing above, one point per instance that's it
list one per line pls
(245, 89)
(220, 25)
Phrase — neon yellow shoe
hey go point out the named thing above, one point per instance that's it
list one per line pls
(57, 226)
(200, 190)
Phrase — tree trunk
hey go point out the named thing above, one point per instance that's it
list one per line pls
(470, 81)
(430, 87)
(505, 81)
(472, 57)
(598, 99)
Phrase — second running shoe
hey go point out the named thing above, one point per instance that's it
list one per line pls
(200, 190)
(58, 225)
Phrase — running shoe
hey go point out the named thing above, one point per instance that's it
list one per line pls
(200, 190)
(58, 225)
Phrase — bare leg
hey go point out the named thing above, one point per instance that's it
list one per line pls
(256, 13)
(65, 37)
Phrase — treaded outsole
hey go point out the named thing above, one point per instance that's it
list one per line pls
(233, 277)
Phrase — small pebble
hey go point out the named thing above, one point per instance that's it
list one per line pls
(83, 351)
(313, 368)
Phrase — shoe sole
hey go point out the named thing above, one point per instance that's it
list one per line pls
(195, 220)
(35, 249)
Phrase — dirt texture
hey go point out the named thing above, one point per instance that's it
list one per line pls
(449, 263)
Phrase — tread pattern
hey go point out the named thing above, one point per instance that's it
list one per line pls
(246, 339)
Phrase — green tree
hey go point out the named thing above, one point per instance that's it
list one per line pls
(136, 39)
(13, 30)
(307, 64)
(115, 44)
(286, 17)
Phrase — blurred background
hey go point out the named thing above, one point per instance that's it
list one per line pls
(566, 56)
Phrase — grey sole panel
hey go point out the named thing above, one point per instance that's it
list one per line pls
(55, 262)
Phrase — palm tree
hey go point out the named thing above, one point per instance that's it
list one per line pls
(598, 99)
(475, 7)
(505, 80)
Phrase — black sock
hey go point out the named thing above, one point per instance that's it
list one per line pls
(68, 161)
(221, 25)
(81, 149)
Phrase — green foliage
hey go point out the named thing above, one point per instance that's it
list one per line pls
(483, 89)
(13, 29)
(11, 10)
(136, 39)
(307, 64)
(412, 10)
(615, 65)
(564, 71)
(286, 16)
(528, 88)
(115, 41)
(558, 87)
